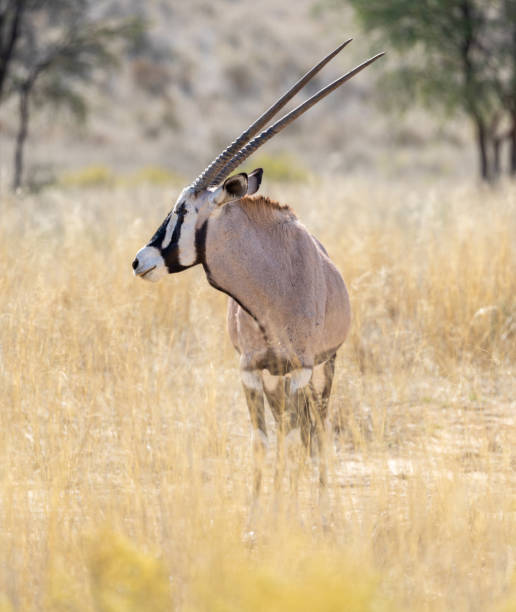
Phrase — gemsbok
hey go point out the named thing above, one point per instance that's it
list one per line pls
(288, 309)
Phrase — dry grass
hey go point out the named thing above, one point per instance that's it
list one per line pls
(124, 438)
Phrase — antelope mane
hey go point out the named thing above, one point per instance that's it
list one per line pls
(264, 211)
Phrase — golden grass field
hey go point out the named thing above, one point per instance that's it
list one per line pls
(125, 457)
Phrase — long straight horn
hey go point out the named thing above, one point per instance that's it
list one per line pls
(207, 175)
(288, 118)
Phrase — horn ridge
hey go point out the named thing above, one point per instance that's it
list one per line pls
(276, 127)
(206, 177)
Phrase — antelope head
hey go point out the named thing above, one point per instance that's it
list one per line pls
(174, 246)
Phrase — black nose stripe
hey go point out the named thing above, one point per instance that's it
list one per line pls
(135, 263)
(157, 239)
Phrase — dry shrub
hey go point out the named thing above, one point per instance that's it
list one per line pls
(88, 177)
(93, 177)
(5, 604)
(312, 580)
(123, 579)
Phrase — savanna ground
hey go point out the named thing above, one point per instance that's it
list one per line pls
(125, 458)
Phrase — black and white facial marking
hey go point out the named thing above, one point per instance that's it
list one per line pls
(168, 250)
(174, 245)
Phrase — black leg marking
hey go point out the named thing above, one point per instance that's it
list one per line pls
(276, 399)
(255, 405)
(323, 398)
(256, 408)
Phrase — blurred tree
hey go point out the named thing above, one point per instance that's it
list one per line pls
(59, 45)
(11, 13)
(508, 92)
(462, 57)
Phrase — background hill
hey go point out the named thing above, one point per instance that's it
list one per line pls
(206, 70)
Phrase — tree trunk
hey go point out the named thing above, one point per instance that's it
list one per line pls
(510, 12)
(497, 165)
(482, 147)
(15, 11)
(467, 40)
(21, 136)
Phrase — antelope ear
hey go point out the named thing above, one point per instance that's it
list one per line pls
(233, 188)
(254, 181)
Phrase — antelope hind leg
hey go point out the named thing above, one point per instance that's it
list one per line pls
(287, 397)
(320, 390)
(274, 389)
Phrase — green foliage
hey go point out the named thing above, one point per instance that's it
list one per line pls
(59, 47)
(441, 37)
(55, 90)
(456, 55)
(278, 167)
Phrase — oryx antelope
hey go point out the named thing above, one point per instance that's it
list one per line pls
(288, 309)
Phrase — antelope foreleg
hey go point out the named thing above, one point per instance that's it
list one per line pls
(254, 397)
(298, 427)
